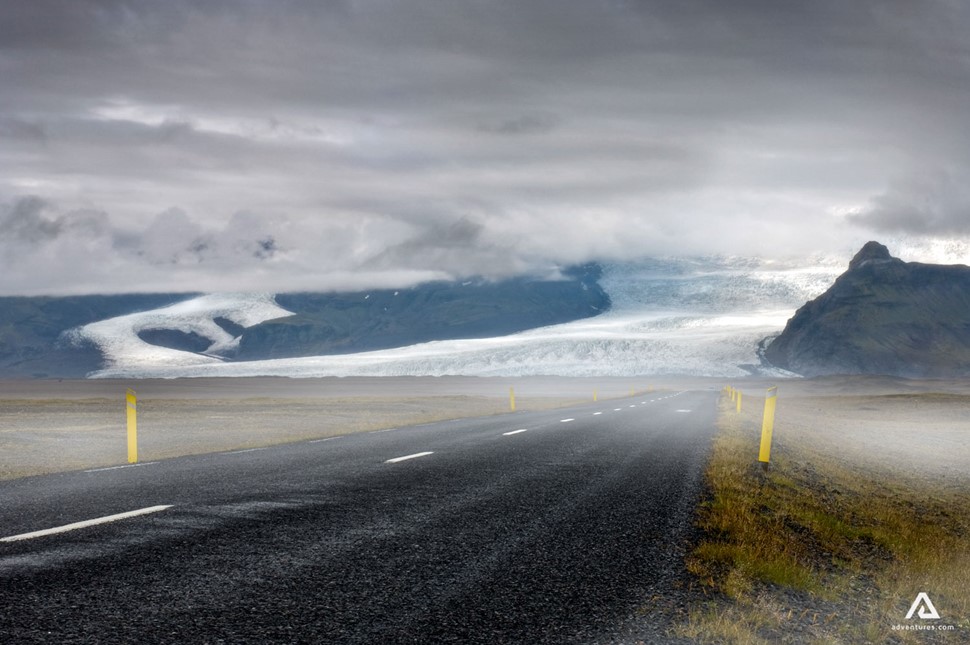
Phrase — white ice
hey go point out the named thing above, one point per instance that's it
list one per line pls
(695, 317)
(124, 350)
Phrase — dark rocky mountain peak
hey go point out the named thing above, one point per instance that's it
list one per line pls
(882, 316)
(871, 252)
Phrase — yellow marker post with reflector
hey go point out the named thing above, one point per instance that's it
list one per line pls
(739, 401)
(512, 399)
(767, 427)
(131, 401)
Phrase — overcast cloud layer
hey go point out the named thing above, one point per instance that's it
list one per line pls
(216, 145)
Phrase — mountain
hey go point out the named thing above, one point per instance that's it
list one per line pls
(32, 341)
(882, 316)
(326, 324)
(691, 315)
(700, 316)
(75, 336)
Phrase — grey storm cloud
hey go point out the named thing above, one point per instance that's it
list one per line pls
(31, 227)
(30, 222)
(303, 144)
(25, 222)
(925, 204)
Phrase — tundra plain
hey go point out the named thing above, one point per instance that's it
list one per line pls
(917, 429)
(866, 493)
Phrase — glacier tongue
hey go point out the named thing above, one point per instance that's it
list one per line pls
(683, 316)
(118, 339)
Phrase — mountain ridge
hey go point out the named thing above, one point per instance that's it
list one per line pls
(50, 337)
(882, 316)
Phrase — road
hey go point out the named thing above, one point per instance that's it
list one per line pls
(548, 527)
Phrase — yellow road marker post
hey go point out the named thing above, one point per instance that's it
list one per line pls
(767, 427)
(739, 401)
(594, 396)
(512, 399)
(131, 401)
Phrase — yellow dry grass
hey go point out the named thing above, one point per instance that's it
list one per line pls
(822, 548)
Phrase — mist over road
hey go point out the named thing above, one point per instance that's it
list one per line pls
(561, 526)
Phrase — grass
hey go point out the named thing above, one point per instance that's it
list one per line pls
(819, 550)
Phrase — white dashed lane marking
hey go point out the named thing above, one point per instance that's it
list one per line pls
(509, 434)
(406, 457)
(85, 524)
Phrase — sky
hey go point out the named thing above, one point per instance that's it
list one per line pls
(216, 145)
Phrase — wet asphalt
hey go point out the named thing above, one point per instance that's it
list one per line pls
(573, 531)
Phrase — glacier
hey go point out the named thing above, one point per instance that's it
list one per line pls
(680, 316)
(118, 339)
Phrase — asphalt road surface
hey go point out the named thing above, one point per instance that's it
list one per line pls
(549, 527)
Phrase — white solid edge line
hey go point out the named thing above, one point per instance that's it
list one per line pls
(101, 470)
(85, 524)
(414, 456)
(244, 450)
(508, 434)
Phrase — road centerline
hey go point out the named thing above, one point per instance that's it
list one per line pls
(509, 434)
(406, 457)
